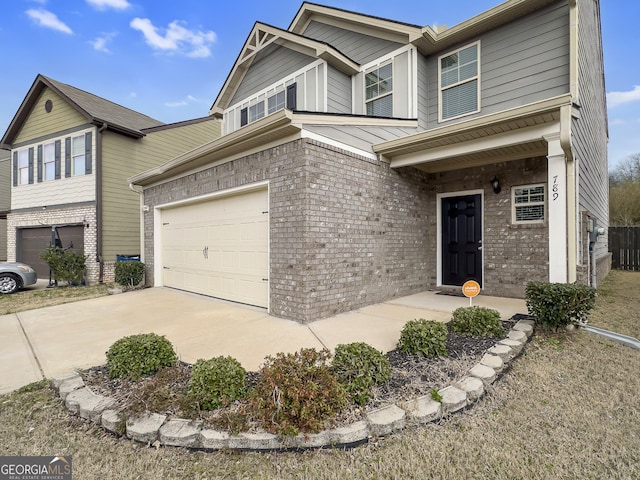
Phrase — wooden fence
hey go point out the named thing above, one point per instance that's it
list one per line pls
(624, 244)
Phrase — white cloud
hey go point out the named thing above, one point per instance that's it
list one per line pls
(175, 38)
(183, 103)
(615, 99)
(105, 4)
(100, 43)
(47, 19)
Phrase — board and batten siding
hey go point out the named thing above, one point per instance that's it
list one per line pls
(522, 62)
(123, 157)
(338, 91)
(270, 65)
(65, 190)
(589, 132)
(358, 47)
(41, 124)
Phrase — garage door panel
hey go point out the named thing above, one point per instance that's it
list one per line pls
(221, 246)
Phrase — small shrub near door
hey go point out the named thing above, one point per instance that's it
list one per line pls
(557, 305)
(217, 382)
(477, 321)
(129, 273)
(423, 337)
(297, 392)
(139, 355)
(359, 367)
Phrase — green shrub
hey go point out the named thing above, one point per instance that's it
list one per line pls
(297, 392)
(477, 321)
(66, 265)
(359, 367)
(217, 382)
(129, 273)
(424, 337)
(559, 304)
(139, 355)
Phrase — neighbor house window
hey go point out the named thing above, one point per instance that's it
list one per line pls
(49, 161)
(23, 167)
(379, 91)
(528, 203)
(78, 155)
(460, 82)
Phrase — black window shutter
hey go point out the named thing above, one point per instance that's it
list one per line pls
(31, 165)
(244, 117)
(58, 159)
(40, 163)
(15, 169)
(67, 157)
(292, 91)
(87, 153)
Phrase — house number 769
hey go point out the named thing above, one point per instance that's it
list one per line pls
(554, 188)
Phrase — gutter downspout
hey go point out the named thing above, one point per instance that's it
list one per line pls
(99, 202)
(140, 191)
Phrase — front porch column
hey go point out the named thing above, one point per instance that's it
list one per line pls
(557, 201)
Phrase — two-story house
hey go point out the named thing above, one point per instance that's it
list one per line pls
(71, 153)
(363, 159)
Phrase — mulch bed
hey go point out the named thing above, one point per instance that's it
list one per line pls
(412, 376)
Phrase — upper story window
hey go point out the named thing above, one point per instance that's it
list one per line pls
(49, 161)
(459, 77)
(78, 151)
(379, 91)
(276, 101)
(23, 167)
(528, 203)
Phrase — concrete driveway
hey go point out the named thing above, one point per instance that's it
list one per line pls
(54, 341)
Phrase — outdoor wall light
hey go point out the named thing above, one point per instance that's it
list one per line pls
(495, 183)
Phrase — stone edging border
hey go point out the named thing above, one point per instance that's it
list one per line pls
(153, 428)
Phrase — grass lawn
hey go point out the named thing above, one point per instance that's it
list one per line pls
(32, 298)
(568, 409)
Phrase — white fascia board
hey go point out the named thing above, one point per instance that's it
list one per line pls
(501, 140)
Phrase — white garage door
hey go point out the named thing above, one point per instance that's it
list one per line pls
(219, 248)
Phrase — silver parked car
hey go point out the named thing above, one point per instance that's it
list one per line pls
(15, 275)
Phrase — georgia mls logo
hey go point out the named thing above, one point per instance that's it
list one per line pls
(35, 468)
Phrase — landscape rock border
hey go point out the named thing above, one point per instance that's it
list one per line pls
(153, 428)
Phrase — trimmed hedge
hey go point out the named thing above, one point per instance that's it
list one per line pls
(129, 273)
(136, 356)
(217, 382)
(424, 337)
(557, 305)
(477, 321)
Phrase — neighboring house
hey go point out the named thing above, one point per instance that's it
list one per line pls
(5, 200)
(71, 154)
(363, 159)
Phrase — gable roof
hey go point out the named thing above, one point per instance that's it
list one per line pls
(95, 109)
(263, 35)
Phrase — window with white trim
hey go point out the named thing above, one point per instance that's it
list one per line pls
(23, 167)
(528, 203)
(49, 161)
(78, 155)
(276, 102)
(459, 82)
(378, 86)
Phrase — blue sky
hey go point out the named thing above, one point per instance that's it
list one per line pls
(168, 59)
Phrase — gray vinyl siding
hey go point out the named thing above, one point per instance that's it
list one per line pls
(589, 132)
(358, 47)
(338, 91)
(520, 63)
(270, 65)
(124, 157)
(401, 91)
(423, 96)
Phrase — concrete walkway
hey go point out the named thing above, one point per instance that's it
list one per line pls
(53, 341)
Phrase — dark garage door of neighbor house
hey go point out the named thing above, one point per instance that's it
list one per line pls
(33, 241)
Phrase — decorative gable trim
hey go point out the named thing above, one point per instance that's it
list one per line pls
(262, 36)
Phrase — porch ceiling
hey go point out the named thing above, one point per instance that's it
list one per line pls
(505, 136)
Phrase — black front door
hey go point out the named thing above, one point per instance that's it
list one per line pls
(461, 239)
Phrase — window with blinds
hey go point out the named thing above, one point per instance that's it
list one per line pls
(379, 91)
(459, 77)
(528, 203)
